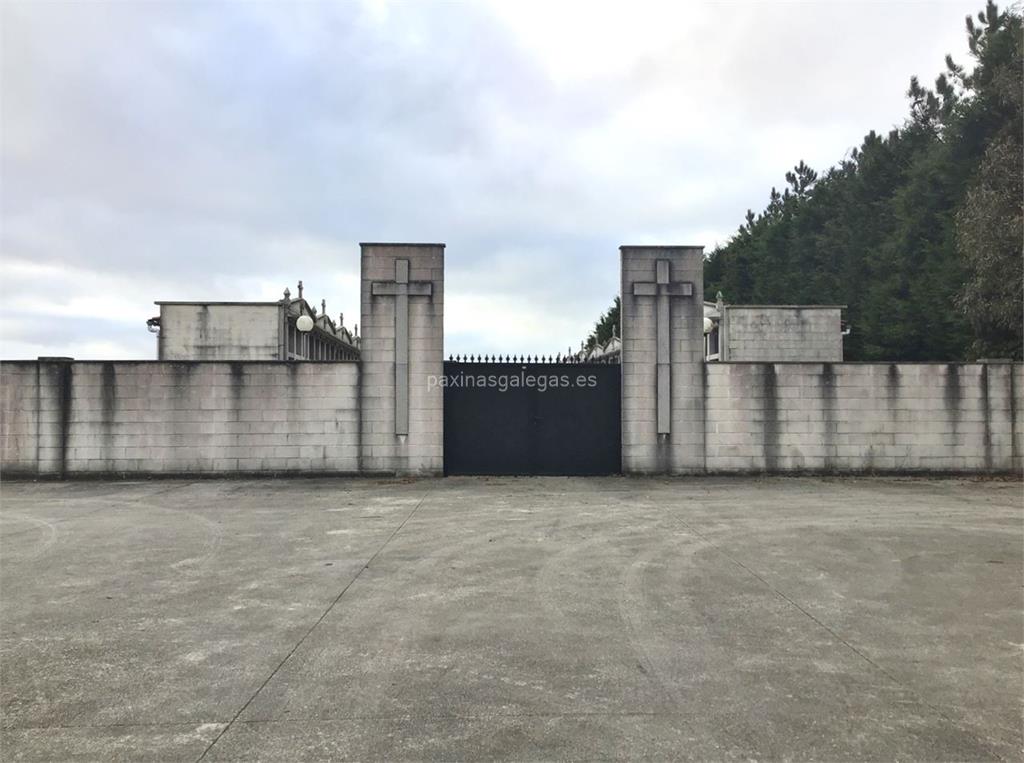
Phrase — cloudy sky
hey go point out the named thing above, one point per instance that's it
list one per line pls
(200, 150)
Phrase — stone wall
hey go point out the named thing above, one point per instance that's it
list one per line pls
(219, 332)
(865, 417)
(402, 415)
(779, 333)
(20, 416)
(151, 417)
(662, 393)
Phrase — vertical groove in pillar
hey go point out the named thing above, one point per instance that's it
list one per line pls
(664, 350)
(402, 349)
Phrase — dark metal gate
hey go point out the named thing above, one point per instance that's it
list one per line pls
(532, 418)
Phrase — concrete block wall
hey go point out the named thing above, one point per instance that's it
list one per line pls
(36, 397)
(644, 450)
(864, 417)
(152, 417)
(421, 449)
(781, 333)
(218, 332)
(19, 416)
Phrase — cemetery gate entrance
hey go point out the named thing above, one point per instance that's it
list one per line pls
(532, 417)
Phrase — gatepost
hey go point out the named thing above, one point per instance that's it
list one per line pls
(401, 348)
(662, 359)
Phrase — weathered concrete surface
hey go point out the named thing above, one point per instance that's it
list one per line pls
(512, 618)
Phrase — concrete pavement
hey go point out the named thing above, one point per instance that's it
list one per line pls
(828, 619)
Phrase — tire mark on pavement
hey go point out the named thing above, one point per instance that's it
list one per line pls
(910, 691)
(48, 539)
(633, 611)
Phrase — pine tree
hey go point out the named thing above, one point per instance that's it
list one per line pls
(917, 232)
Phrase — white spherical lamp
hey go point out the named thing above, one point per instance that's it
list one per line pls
(304, 323)
(708, 325)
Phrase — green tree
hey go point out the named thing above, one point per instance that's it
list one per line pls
(989, 224)
(606, 326)
(919, 231)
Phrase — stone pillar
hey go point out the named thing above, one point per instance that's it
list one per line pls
(401, 358)
(662, 359)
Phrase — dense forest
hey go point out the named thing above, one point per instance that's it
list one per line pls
(919, 232)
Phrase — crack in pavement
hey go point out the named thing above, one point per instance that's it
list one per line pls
(313, 627)
(860, 654)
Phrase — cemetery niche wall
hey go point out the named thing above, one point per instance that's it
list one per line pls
(373, 410)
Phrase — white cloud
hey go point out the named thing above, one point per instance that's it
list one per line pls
(225, 150)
